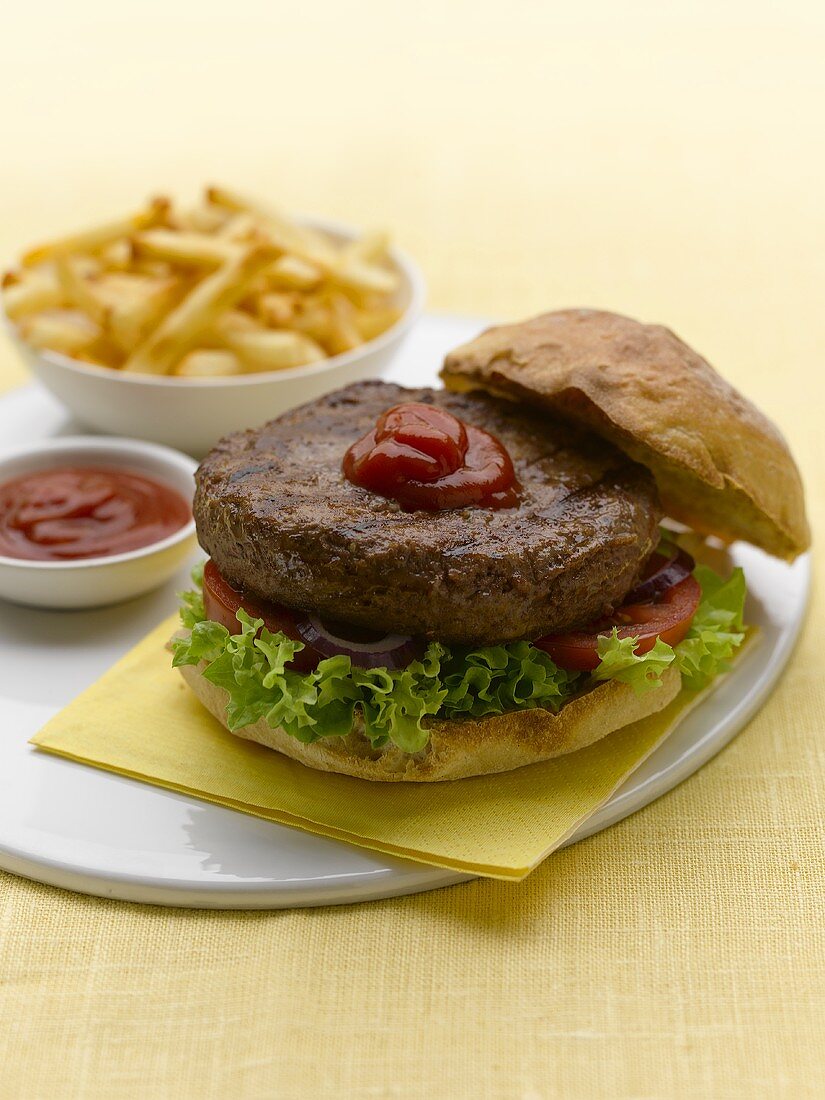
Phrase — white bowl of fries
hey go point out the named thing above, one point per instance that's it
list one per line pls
(182, 327)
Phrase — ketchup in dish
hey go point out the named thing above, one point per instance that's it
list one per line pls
(75, 512)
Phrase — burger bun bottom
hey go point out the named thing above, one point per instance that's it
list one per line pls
(460, 748)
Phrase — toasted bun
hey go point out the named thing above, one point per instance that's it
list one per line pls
(461, 748)
(721, 466)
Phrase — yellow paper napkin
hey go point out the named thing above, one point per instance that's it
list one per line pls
(141, 720)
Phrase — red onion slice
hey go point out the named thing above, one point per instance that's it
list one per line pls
(672, 570)
(393, 651)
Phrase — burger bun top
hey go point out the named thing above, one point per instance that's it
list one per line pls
(722, 467)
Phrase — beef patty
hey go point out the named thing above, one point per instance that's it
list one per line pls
(281, 522)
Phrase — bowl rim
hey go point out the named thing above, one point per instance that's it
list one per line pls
(104, 444)
(408, 268)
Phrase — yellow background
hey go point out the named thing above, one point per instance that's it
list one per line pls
(661, 159)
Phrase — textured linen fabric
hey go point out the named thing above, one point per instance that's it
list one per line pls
(664, 160)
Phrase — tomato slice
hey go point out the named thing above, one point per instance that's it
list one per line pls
(668, 618)
(221, 601)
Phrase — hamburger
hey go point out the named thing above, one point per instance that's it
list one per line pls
(431, 584)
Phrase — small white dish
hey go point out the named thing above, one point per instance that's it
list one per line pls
(96, 582)
(193, 413)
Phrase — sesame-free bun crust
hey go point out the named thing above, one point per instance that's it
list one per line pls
(461, 748)
(722, 467)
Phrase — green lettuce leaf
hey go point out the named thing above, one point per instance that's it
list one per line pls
(706, 650)
(499, 678)
(717, 628)
(251, 667)
(395, 705)
(618, 662)
(191, 601)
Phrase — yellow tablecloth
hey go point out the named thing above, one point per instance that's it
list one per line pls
(661, 159)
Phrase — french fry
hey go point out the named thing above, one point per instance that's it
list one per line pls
(365, 278)
(100, 236)
(118, 256)
(128, 305)
(180, 329)
(372, 322)
(372, 248)
(276, 308)
(208, 363)
(343, 332)
(203, 219)
(33, 292)
(238, 227)
(271, 349)
(103, 353)
(187, 249)
(292, 273)
(116, 287)
(288, 235)
(155, 269)
(229, 284)
(313, 318)
(234, 320)
(63, 330)
(132, 317)
(79, 291)
(88, 357)
(85, 265)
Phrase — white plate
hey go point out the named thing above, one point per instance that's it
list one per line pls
(84, 829)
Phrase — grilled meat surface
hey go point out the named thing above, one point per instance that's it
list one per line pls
(281, 522)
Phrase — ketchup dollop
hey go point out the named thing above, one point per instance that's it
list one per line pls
(85, 512)
(429, 460)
